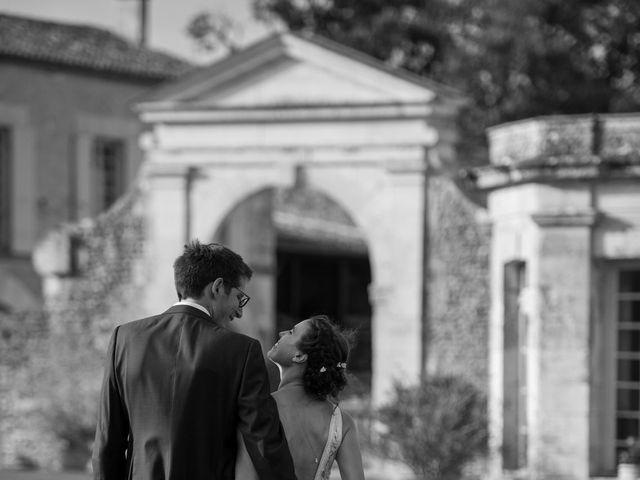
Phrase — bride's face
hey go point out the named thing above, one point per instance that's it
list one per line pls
(284, 351)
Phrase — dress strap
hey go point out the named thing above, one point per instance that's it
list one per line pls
(331, 447)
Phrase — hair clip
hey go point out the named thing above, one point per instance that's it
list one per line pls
(322, 370)
(342, 365)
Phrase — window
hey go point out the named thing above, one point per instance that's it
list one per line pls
(615, 350)
(514, 434)
(6, 190)
(627, 303)
(108, 172)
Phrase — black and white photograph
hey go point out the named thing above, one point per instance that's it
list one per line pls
(319, 240)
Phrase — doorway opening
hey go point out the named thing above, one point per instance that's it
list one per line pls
(323, 268)
(308, 257)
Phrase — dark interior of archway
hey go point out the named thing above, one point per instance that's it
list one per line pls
(331, 283)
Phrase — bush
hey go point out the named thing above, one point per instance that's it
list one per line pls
(631, 452)
(76, 436)
(437, 427)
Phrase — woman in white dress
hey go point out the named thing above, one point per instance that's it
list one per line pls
(312, 358)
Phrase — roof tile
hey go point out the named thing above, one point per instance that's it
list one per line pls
(85, 47)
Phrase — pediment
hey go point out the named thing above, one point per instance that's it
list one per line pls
(291, 82)
(287, 70)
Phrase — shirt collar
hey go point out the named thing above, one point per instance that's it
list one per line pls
(192, 304)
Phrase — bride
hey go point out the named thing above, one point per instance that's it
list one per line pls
(312, 358)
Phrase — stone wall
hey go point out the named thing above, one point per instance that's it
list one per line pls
(563, 200)
(94, 275)
(92, 280)
(459, 236)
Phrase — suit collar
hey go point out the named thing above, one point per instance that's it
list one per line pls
(193, 304)
(189, 310)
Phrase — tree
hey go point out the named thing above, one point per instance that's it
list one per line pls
(213, 31)
(514, 58)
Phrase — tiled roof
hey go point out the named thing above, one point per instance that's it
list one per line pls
(85, 47)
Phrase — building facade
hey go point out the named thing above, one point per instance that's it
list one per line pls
(68, 136)
(287, 114)
(564, 201)
(330, 173)
(68, 152)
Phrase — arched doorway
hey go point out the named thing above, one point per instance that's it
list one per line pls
(309, 257)
(323, 268)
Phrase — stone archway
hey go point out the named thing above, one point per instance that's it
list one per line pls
(309, 257)
(362, 133)
(385, 202)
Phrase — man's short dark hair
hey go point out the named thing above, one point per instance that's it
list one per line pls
(201, 264)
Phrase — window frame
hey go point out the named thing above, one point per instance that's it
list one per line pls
(604, 383)
(6, 189)
(515, 435)
(102, 200)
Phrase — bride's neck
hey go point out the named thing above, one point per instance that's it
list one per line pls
(290, 376)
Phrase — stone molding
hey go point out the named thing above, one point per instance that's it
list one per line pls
(553, 169)
(566, 218)
(180, 114)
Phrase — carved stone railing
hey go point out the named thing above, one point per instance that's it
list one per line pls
(528, 139)
(564, 135)
(561, 147)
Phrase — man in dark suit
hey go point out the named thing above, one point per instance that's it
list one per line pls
(179, 386)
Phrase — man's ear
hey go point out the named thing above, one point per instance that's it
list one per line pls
(299, 357)
(216, 286)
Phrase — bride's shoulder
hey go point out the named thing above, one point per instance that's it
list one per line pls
(348, 423)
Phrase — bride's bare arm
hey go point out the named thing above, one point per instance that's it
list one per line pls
(349, 456)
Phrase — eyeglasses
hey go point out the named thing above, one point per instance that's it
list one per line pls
(244, 299)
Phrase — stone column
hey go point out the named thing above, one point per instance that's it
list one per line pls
(559, 435)
(396, 296)
(165, 211)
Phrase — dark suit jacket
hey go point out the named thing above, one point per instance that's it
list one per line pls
(176, 389)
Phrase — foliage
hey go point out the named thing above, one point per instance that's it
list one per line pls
(18, 333)
(631, 453)
(76, 435)
(55, 359)
(438, 426)
(514, 58)
(213, 31)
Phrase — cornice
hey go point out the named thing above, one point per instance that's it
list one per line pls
(566, 218)
(185, 115)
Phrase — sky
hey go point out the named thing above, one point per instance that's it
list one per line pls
(167, 19)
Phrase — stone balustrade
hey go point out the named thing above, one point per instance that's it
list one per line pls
(566, 138)
(563, 147)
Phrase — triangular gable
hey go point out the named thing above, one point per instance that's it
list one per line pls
(288, 70)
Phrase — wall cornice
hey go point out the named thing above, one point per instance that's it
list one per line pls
(552, 170)
(566, 218)
(183, 114)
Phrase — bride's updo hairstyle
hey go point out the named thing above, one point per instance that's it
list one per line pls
(327, 348)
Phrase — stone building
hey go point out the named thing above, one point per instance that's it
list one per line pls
(312, 161)
(564, 202)
(68, 137)
(68, 151)
(330, 173)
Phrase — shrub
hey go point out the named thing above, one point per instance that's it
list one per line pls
(438, 426)
(76, 434)
(631, 452)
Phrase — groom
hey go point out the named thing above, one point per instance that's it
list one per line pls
(178, 386)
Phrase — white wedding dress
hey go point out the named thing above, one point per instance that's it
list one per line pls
(244, 466)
